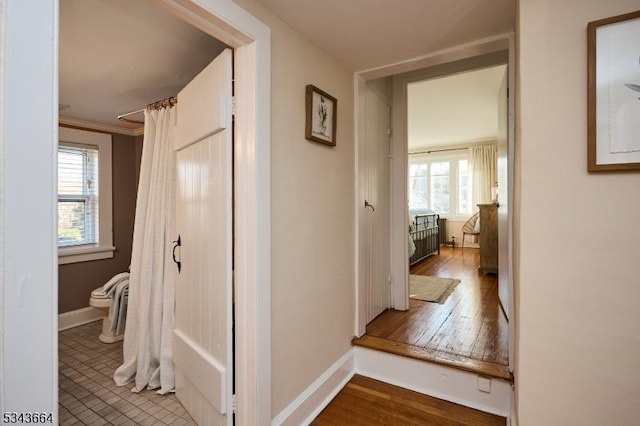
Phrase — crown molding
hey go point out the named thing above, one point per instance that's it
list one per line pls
(91, 125)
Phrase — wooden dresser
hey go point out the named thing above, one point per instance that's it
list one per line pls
(488, 238)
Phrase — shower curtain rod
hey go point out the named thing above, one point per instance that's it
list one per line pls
(164, 103)
(436, 150)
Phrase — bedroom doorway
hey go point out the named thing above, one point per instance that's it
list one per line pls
(446, 163)
(451, 170)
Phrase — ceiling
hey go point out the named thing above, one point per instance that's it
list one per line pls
(366, 34)
(454, 110)
(118, 56)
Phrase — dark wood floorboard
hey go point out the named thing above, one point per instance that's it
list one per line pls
(469, 328)
(365, 401)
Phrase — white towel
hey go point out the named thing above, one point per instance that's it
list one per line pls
(118, 308)
(107, 290)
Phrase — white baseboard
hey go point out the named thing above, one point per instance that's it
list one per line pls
(78, 317)
(460, 387)
(316, 397)
(449, 384)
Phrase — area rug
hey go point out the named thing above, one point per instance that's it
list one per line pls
(431, 289)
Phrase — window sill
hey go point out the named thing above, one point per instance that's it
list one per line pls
(75, 255)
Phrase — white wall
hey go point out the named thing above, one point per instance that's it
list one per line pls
(578, 274)
(454, 229)
(313, 218)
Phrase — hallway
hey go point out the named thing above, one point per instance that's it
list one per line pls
(364, 401)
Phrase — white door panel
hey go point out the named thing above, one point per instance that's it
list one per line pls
(202, 370)
(202, 111)
(203, 335)
(373, 224)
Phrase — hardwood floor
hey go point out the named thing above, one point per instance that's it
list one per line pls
(468, 331)
(365, 401)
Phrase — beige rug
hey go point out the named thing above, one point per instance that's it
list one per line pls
(431, 289)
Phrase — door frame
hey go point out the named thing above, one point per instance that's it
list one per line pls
(499, 51)
(27, 292)
(478, 54)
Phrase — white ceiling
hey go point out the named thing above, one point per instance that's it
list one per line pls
(366, 34)
(117, 56)
(454, 110)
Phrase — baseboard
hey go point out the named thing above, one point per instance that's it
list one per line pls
(460, 387)
(316, 397)
(78, 317)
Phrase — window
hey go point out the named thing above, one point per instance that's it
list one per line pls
(440, 184)
(84, 196)
(78, 195)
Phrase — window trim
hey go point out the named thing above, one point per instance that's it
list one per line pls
(104, 249)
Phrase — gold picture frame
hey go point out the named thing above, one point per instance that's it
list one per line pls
(321, 116)
(613, 93)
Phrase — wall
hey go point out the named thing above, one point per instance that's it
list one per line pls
(313, 219)
(77, 280)
(577, 278)
(454, 229)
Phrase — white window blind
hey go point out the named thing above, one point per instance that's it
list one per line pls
(78, 196)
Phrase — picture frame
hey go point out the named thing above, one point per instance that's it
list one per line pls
(321, 116)
(613, 93)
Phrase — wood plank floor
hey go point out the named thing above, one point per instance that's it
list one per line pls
(365, 401)
(468, 331)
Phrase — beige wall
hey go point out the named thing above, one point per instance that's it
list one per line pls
(578, 347)
(313, 222)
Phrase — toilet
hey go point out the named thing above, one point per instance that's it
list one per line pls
(102, 299)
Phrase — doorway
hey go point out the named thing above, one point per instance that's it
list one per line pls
(227, 22)
(177, 62)
(400, 301)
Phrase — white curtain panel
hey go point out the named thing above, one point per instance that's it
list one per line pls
(483, 173)
(150, 315)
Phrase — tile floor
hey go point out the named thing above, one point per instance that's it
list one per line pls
(88, 395)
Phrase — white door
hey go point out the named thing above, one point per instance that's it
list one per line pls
(202, 341)
(373, 169)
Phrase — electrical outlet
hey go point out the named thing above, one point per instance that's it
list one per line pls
(484, 384)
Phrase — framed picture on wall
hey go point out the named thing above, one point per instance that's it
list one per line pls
(321, 114)
(613, 92)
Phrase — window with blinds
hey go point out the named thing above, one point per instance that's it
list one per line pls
(78, 196)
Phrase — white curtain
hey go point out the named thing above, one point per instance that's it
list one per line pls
(150, 315)
(483, 173)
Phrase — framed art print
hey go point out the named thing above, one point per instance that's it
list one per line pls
(321, 113)
(613, 92)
